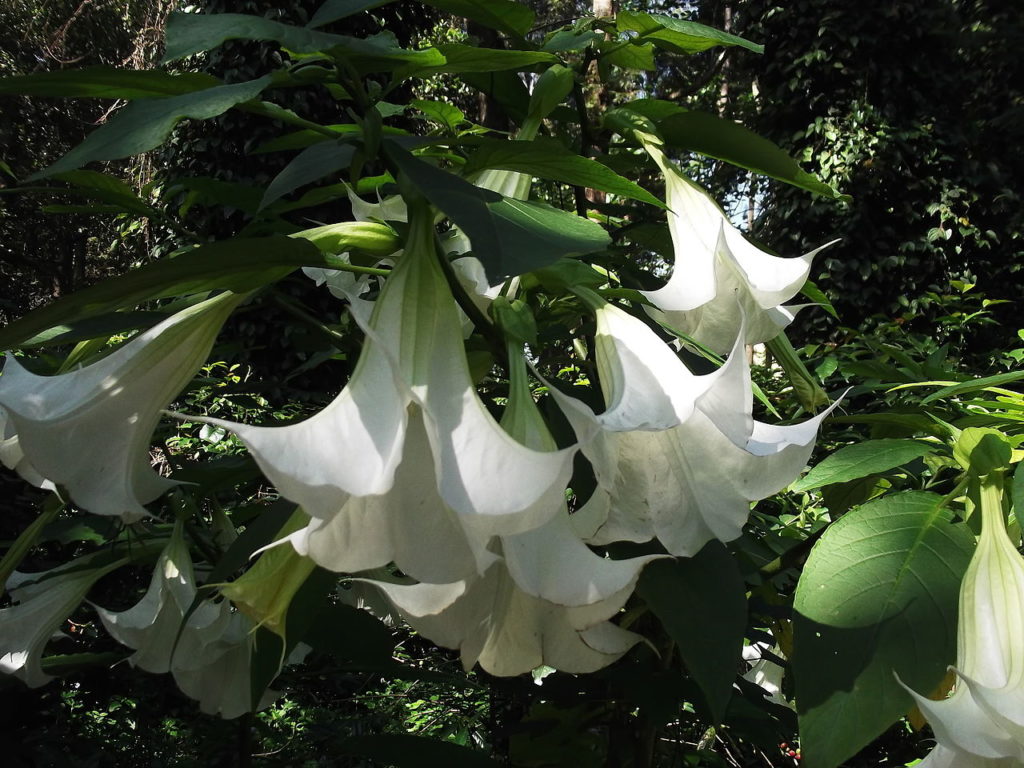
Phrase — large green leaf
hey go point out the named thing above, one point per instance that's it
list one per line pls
(677, 35)
(725, 140)
(101, 326)
(862, 459)
(403, 750)
(461, 58)
(551, 88)
(144, 125)
(975, 385)
(504, 15)
(505, 87)
(310, 165)
(549, 159)
(107, 83)
(333, 10)
(189, 33)
(510, 237)
(237, 265)
(877, 596)
(701, 601)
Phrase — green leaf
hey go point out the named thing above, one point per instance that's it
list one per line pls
(505, 87)
(107, 83)
(549, 159)
(144, 125)
(310, 165)
(638, 56)
(975, 385)
(93, 328)
(302, 139)
(209, 191)
(507, 16)
(679, 36)
(554, 84)
(1017, 491)
(333, 10)
(725, 140)
(861, 460)
(461, 58)
(878, 595)
(109, 189)
(566, 40)
(238, 265)
(441, 112)
(815, 294)
(701, 601)
(510, 237)
(407, 751)
(350, 635)
(189, 33)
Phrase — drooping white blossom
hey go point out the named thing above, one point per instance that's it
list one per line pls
(88, 430)
(982, 723)
(207, 650)
(407, 452)
(678, 457)
(718, 276)
(42, 602)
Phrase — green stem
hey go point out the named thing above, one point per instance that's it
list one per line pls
(495, 340)
(335, 262)
(264, 109)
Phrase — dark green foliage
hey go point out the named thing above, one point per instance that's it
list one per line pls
(913, 109)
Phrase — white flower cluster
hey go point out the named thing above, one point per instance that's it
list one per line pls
(408, 467)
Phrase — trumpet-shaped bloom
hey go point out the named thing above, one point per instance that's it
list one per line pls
(40, 608)
(88, 430)
(150, 627)
(716, 269)
(982, 722)
(509, 632)
(764, 672)
(208, 652)
(544, 601)
(677, 456)
(407, 451)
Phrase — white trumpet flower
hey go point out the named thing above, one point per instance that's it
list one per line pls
(545, 601)
(493, 622)
(678, 457)
(41, 606)
(88, 430)
(407, 437)
(982, 723)
(718, 270)
(207, 651)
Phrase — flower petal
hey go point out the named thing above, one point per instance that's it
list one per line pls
(716, 267)
(509, 632)
(409, 525)
(89, 430)
(40, 608)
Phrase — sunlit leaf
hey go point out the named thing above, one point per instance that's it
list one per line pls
(862, 459)
(677, 35)
(878, 595)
